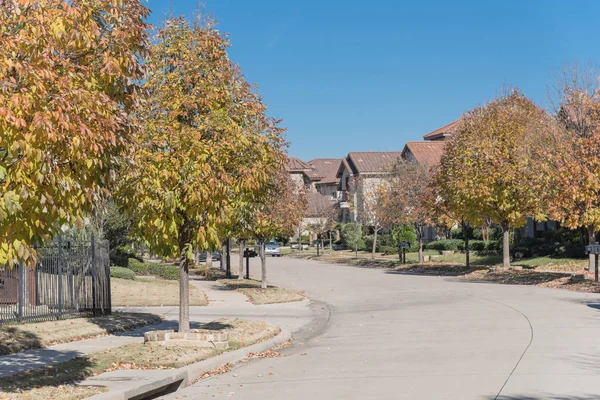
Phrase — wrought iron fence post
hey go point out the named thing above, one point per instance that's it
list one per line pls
(21, 290)
(108, 298)
(60, 276)
(93, 276)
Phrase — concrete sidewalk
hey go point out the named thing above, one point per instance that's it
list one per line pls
(219, 295)
(289, 316)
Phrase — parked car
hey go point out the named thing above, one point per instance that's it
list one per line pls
(272, 249)
(216, 256)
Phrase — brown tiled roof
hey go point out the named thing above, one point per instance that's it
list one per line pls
(296, 164)
(326, 169)
(372, 162)
(442, 132)
(428, 153)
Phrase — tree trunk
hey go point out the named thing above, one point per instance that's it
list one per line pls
(263, 260)
(209, 258)
(505, 245)
(300, 238)
(420, 241)
(374, 243)
(184, 275)
(317, 247)
(223, 256)
(330, 244)
(591, 240)
(466, 238)
(241, 264)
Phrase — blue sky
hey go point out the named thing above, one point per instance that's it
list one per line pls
(371, 75)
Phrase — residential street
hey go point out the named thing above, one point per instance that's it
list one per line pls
(392, 336)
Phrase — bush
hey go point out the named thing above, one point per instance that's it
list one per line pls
(170, 272)
(139, 267)
(450, 244)
(352, 235)
(122, 273)
(456, 233)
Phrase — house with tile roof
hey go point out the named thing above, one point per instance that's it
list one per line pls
(325, 176)
(301, 172)
(358, 174)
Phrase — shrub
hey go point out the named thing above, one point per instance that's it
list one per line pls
(450, 244)
(408, 234)
(122, 273)
(137, 266)
(170, 272)
(352, 235)
(477, 234)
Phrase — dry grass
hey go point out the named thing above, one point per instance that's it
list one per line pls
(56, 382)
(438, 269)
(514, 277)
(256, 295)
(14, 339)
(151, 292)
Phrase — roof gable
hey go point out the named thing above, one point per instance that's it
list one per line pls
(373, 162)
(429, 153)
(326, 169)
(443, 132)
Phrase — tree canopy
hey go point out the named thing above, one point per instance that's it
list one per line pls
(205, 141)
(68, 73)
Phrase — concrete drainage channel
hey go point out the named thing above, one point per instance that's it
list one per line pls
(151, 384)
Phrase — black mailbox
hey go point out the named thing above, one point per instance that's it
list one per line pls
(595, 250)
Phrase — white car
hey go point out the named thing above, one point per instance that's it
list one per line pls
(273, 249)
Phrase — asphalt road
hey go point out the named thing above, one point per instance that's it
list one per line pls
(393, 336)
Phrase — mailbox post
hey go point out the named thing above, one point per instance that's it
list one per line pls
(404, 246)
(595, 250)
(247, 255)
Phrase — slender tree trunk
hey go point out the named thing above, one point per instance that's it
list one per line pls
(505, 245)
(330, 244)
(591, 240)
(241, 264)
(399, 248)
(300, 238)
(209, 258)
(420, 241)
(184, 275)
(466, 237)
(223, 256)
(374, 243)
(317, 247)
(263, 261)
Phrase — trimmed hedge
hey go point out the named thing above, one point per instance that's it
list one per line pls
(481, 246)
(450, 244)
(122, 273)
(169, 272)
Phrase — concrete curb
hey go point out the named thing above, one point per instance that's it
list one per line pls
(127, 384)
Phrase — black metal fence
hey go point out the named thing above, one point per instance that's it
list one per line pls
(71, 278)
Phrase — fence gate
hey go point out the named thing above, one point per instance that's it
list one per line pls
(70, 278)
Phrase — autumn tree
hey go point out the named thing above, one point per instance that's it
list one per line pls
(321, 215)
(373, 212)
(68, 77)
(446, 205)
(204, 137)
(493, 168)
(572, 162)
(278, 213)
(406, 198)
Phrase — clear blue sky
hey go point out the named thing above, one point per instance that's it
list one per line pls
(371, 75)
